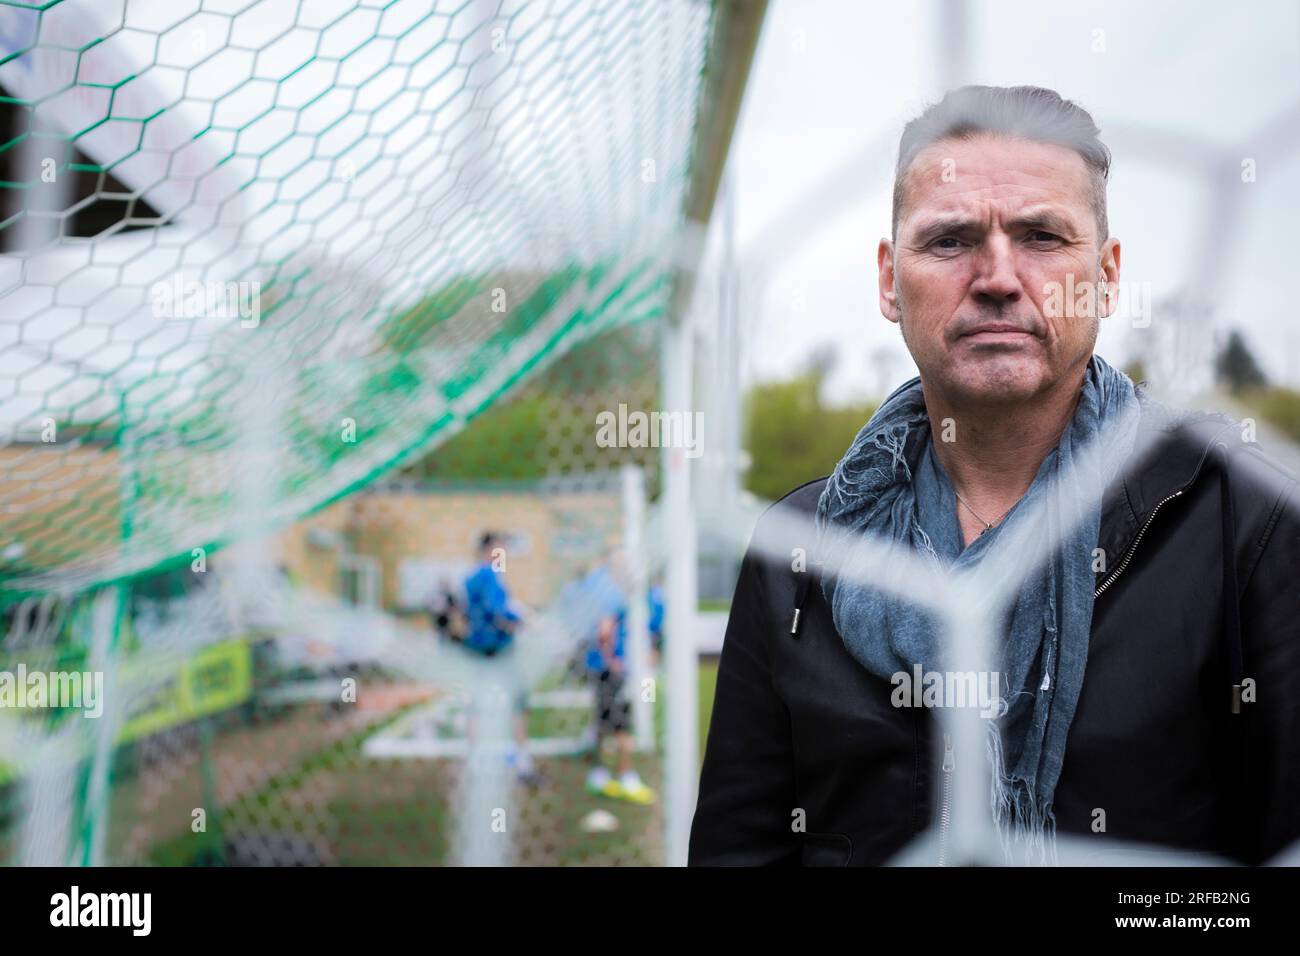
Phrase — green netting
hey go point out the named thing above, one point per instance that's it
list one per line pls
(256, 255)
(296, 300)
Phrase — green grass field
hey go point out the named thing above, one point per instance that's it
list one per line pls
(293, 786)
(707, 682)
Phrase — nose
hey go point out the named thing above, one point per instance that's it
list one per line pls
(996, 281)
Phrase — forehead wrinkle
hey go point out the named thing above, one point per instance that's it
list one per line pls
(1028, 194)
(1029, 172)
(1031, 157)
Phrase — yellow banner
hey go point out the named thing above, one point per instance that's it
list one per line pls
(218, 677)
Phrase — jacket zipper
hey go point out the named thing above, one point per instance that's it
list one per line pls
(1128, 556)
(945, 815)
(949, 763)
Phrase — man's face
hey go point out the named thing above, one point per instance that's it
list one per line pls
(987, 226)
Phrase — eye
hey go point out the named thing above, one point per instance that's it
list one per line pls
(947, 243)
(1042, 235)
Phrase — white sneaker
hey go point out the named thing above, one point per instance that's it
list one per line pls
(634, 789)
(598, 779)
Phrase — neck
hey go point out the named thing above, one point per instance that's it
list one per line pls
(997, 449)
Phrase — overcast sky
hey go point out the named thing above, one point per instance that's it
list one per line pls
(1182, 92)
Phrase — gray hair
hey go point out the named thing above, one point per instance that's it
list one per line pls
(1026, 112)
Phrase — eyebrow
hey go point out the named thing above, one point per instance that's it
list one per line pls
(1048, 219)
(942, 227)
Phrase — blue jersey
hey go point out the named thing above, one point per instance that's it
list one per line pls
(601, 583)
(488, 610)
(656, 598)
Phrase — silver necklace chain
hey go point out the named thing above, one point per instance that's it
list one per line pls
(987, 524)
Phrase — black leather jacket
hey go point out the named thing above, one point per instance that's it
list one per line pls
(798, 724)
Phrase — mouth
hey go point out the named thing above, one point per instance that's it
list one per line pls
(998, 333)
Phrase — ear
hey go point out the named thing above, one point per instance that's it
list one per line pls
(885, 274)
(1109, 267)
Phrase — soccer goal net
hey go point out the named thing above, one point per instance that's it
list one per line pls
(266, 268)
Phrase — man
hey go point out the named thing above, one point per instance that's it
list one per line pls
(1171, 581)
(493, 620)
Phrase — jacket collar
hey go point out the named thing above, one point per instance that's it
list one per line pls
(1169, 454)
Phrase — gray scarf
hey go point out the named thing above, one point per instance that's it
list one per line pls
(890, 484)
